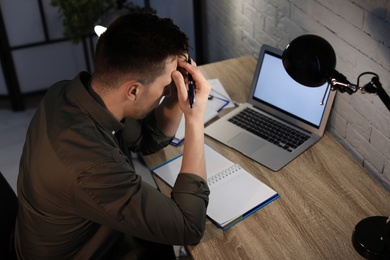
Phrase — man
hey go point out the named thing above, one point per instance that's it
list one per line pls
(79, 196)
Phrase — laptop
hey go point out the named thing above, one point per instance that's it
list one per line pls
(277, 99)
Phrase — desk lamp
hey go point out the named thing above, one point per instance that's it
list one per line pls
(311, 61)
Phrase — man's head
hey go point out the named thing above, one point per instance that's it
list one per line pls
(136, 46)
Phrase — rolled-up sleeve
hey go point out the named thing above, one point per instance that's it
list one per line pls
(191, 194)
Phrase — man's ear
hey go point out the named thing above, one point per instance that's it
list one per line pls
(133, 90)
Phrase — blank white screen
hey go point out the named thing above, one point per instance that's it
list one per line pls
(276, 87)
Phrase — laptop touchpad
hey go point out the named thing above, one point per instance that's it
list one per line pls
(245, 143)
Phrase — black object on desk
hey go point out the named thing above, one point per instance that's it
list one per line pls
(371, 237)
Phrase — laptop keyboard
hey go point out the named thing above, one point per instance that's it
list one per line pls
(269, 129)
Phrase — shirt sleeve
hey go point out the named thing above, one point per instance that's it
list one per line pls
(144, 135)
(114, 196)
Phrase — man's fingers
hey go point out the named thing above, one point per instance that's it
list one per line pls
(179, 82)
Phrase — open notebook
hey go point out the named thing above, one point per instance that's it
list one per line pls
(234, 193)
(281, 118)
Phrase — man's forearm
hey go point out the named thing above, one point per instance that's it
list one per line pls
(193, 152)
(168, 116)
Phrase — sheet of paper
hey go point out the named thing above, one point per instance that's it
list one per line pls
(218, 90)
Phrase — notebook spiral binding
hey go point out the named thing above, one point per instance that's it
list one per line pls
(222, 175)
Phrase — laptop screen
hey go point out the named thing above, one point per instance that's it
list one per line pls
(277, 89)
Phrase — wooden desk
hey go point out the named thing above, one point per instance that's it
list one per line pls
(324, 193)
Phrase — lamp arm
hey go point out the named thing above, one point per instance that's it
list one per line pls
(339, 82)
(374, 86)
(343, 87)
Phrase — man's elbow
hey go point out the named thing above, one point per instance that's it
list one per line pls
(194, 233)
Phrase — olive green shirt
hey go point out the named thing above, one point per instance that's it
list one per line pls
(77, 188)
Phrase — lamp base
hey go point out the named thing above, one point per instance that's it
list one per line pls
(371, 238)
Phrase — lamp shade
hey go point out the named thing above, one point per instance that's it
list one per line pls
(309, 60)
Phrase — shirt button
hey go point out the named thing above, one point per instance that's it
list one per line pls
(113, 132)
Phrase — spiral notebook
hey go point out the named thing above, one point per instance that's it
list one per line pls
(234, 193)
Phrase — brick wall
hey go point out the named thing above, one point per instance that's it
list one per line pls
(358, 30)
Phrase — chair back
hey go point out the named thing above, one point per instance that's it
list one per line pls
(9, 208)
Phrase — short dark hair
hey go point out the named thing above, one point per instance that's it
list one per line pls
(139, 45)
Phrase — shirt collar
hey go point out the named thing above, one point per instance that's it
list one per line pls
(91, 104)
(94, 94)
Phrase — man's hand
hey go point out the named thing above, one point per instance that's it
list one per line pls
(202, 89)
(193, 151)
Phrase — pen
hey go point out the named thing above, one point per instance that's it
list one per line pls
(191, 86)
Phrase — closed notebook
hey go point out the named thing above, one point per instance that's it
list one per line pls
(234, 193)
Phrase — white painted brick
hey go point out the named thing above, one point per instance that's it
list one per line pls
(373, 116)
(302, 4)
(386, 171)
(346, 9)
(238, 5)
(347, 57)
(361, 42)
(381, 178)
(371, 62)
(383, 55)
(251, 44)
(248, 20)
(384, 112)
(271, 12)
(380, 142)
(344, 142)
(325, 17)
(381, 121)
(283, 6)
(354, 138)
(344, 97)
(263, 38)
(365, 110)
(374, 157)
(365, 149)
(379, 5)
(344, 108)
(303, 20)
(376, 26)
(356, 121)
(339, 123)
(271, 29)
(287, 30)
(259, 21)
(341, 105)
